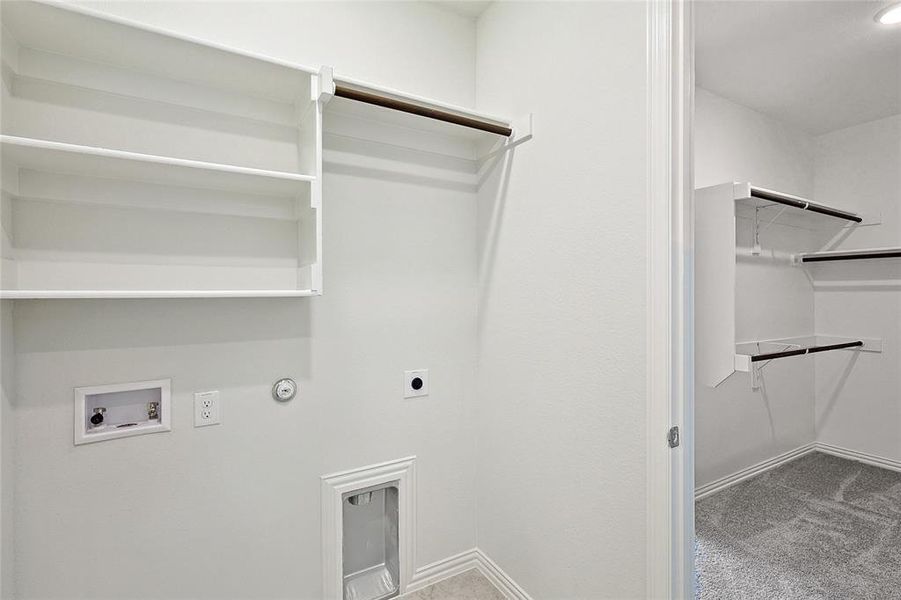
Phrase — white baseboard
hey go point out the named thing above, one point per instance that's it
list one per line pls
(442, 569)
(493, 573)
(748, 472)
(762, 467)
(466, 561)
(863, 457)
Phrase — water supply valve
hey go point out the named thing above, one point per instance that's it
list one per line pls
(97, 417)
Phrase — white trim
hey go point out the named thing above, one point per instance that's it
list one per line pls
(493, 573)
(443, 569)
(728, 481)
(463, 562)
(670, 374)
(762, 467)
(334, 486)
(862, 457)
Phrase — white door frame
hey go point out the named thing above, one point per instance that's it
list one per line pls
(670, 337)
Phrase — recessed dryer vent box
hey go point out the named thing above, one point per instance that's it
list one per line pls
(106, 412)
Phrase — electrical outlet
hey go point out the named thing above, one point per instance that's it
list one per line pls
(416, 383)
(206, 409)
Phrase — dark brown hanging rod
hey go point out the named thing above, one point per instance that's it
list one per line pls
(797, 203)
(852, 256)
(415, 109)
(800, 351)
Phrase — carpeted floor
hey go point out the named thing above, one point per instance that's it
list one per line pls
(819, 527)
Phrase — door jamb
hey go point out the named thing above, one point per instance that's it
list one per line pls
(670, 336)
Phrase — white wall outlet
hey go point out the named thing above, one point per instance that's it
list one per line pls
(206, 409)
(416, 383)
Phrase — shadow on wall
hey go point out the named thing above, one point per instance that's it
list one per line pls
(492, 201)
(404, 155)
(837, 387)
(78, 325)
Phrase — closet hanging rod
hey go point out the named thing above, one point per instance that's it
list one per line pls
(892, 253)
(803, 204)
(802, 351)
(423, 111)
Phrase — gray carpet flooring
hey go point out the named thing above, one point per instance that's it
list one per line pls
(819, 527)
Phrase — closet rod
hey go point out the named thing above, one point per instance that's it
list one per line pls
(804, 204)
(851, 256)
(415, 109)
(800, 351)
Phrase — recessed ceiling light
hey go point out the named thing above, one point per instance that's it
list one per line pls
(890, 15)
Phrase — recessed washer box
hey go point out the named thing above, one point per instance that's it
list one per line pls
(107, 412)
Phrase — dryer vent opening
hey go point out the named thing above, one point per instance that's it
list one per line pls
(370, 543)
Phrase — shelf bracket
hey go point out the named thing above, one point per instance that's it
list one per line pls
(755, 376)
(326, 86)
(523, 131)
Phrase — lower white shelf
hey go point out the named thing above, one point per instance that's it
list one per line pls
(52, 279)
(137, 294)
(847, 255)
(748, 353)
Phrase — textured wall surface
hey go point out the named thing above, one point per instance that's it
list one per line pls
(233, 511)
(7, 451)
(736, 426)
(562, 310)
(859, 395)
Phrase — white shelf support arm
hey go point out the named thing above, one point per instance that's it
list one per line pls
(523, 131)
(326, 86)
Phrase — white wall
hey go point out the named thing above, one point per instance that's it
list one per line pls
(859, 394)
(409, 46)
(233, 511)
(735, 426)
(561, 478)
(7, 450)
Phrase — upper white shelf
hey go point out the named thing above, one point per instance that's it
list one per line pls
(404, 119)
(103, 39)
(57, 157)
(793, 210)
(376, 113)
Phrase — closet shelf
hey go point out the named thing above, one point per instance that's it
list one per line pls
(139, 294)
(804, 350)
(764, 196)
(396, 109)
(778, 207)
(97, 38)
(122, 162)
(73, 159)
(385, 98)
(843, 255)
(752, 356)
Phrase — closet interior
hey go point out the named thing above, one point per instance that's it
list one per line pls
(797, 215)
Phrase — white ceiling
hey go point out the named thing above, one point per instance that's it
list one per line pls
(468, 8)
(819, 65)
